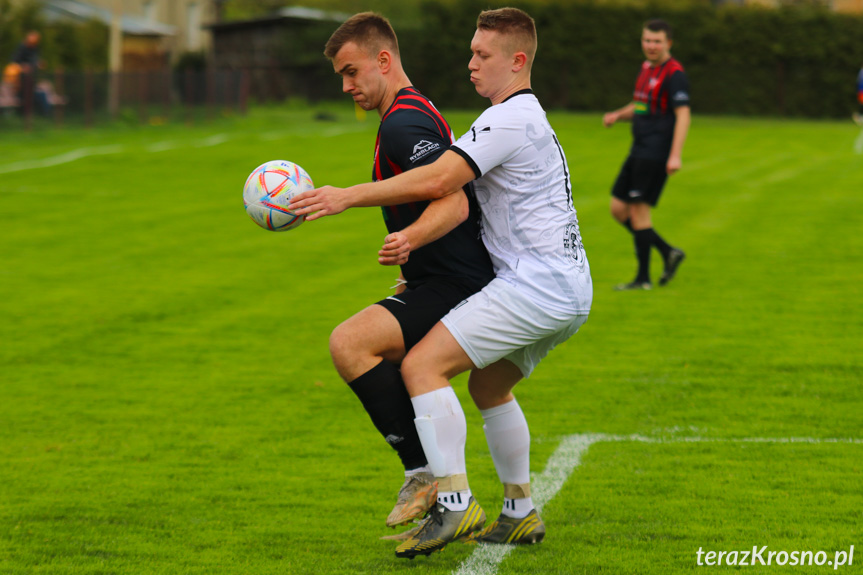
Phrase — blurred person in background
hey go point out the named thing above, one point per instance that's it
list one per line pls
(26, 61)
(659, 112)
(858, 115)
(26, 56)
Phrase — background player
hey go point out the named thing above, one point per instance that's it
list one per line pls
(540, 296)
(443, 269)
(660, 122)
(858, 115)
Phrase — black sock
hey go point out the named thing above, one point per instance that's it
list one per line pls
(661, 244)
(383, 395)
(643, 241)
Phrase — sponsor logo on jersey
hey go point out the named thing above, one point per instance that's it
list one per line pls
(681, 96)
(423, 148)
(572, 245)
(538, 140)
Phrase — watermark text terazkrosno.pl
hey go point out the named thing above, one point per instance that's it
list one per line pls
(764, 556)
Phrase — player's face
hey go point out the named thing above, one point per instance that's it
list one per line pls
(491, 64)
(656, 46)
(361, 76)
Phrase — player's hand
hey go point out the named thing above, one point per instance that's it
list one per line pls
(609, 119)
(674, 164)
(395, 251)
(320, 202)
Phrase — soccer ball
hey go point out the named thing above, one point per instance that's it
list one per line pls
(268, 190)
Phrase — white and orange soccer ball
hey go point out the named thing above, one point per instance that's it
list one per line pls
(268, 190)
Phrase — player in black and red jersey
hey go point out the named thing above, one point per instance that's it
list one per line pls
(660, 122)
(447, 262)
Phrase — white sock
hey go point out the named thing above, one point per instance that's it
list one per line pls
(443, 433)
(454, 500)
(508, 440)
(518, 508)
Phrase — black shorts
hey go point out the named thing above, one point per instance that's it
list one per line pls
(417, 310)
(640, 180)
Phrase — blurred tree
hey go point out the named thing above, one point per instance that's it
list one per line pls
(398, 11)
(6, 39)
(194, 61)
(93, 37)
(65, 47)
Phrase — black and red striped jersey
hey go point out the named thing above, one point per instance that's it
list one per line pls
(658, 91)
(413, 133)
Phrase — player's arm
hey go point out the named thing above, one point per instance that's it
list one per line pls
(623, 114)
(446, 175)
(681, 129)
(438, 219)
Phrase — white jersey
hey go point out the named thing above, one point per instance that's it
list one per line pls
(529, 224)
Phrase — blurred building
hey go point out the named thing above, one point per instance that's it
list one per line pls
(187, 17)
(155, 32)
(282, 52)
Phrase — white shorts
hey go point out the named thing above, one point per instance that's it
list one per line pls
(500, 322)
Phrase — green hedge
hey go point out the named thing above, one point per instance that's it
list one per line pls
(742, 61)
(65, 45)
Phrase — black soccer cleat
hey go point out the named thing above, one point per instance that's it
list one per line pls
(442, 526)
(672, 262)
(502, 530)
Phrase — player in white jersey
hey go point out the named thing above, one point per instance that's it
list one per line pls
(540, 296)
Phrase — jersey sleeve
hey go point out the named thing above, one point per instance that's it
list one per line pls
(411, 138)
(678, 89)
(490, 142)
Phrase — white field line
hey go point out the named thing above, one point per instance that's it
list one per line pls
(486, 558)
(162, 147)
(79, 153)
(213, 141)
(157, 147)
(567, 456)
(858, 144)
(70, 156)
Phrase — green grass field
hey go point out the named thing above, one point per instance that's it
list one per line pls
(167, 402)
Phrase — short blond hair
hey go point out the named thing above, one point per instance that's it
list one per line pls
(514, 23)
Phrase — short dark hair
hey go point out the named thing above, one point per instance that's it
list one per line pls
(658, 25)
(511, 22)
(368, 30)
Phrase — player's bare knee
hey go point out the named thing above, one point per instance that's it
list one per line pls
(343, 348)
(410, 369)
(414, 369)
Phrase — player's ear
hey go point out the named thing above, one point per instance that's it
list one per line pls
(519, 60)
(385, 61)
